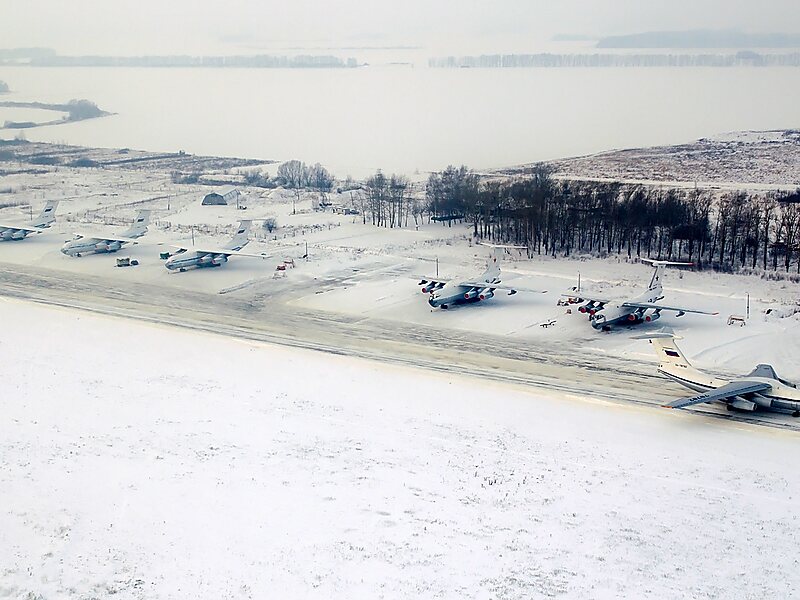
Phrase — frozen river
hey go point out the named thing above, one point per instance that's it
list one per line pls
(404, 118)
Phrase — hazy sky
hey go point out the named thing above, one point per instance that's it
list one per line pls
(195, 26)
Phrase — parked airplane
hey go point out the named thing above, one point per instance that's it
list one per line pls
(444, 293)
(84, 244)
(640, 309)
(761, 389)
(47, 217)
(193, 257)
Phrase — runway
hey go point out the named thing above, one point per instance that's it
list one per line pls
(255, 314)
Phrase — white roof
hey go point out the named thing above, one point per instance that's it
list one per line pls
(226, 190)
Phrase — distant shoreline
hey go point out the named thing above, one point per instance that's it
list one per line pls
(74, 111)
(757, 161)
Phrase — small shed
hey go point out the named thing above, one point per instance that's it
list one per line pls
(222, 196)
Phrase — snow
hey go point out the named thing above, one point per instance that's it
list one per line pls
(360, 270)
(147, 462)
(755, 161)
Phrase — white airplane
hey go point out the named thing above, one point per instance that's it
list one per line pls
(444, 293)
(84, 244)
(10, 232)
(761, 389)
(193, 257)
(640, 309)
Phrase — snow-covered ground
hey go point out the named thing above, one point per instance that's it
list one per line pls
(145, 462)
(360, 270)
(742, 160)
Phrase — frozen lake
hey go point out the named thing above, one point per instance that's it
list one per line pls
(405, 118)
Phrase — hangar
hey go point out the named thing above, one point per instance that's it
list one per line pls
(222, 196)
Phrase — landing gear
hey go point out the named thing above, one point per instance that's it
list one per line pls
(444, 306)
(78, 254)
(182, 270)
(796, 414)
(730, 407)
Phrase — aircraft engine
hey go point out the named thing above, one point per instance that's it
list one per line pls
(113, 246)
(101, 247)
(17, 235)
(598, 321)
(429, 287)
(762, 401)
(653, 317)
(486, 293)
(219, 259)
(205, 260)
(632, 317)
(743, 404)
(473, 293)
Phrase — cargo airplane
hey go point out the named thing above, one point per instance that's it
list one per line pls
(761, 389)
(643, 308)
(85, 244)
(10, 232)
(443, 293)
(194, 257)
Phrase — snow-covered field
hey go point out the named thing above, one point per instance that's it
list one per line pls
(750, 160)
(363, 271)
(146, 462)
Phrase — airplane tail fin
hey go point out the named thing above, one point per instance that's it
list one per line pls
(493, 262)
(139, 227)
(48, 214)
(659, 266)
(240, 240)
(666, 349)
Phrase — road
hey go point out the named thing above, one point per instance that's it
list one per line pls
(257, 315)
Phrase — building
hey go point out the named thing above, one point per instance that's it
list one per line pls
(222, 196)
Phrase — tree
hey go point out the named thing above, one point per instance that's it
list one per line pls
(376, 188)
(319, 178)
(83, 109)
(294, 173)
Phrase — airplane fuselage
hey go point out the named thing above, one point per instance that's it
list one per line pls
(779, 396)
(452, 294)
(607, 317)
(11, 234)
(83, 246)
(194, 260)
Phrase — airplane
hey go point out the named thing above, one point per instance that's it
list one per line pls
(634, 311)
(443, 293)
(84, 244)
(46, 218)
(761, 389)
(188, 257)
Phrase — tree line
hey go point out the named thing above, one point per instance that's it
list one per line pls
(545, 60)
(560, 217)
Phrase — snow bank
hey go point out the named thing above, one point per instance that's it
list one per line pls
(147, 462)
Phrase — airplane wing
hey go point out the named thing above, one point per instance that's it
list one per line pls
(731, 390)
(500, 286)
(656, 306)
(586, 298)
(124, 240)
(21, 228)
(429, 279)
(225, 251)
(105, 238)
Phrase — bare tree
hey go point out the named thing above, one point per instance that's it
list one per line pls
(294, 173)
